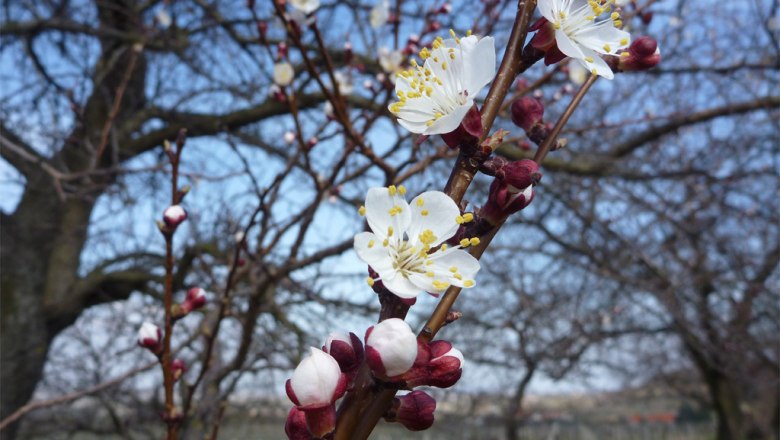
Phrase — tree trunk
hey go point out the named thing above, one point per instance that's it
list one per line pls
(42, 242)
(43, 238)
(512, 423)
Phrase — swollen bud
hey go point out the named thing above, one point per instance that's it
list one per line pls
(295, 426)
(527, 112)
(149, 336)
(346, 349)
(511, 190)
(642, 54)
(196, 298)
(391, 347)
(414, 411)
(174, 215)
(179, 368)
(316, 384)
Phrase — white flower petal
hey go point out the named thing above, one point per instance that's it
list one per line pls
(440, 216)
(370, 249)
(480, 65)
(306, 6)
(595, 38)
(450, 122)
(401, 286)
(598, 64)
(379, 204)
(464, 264)
(547, 9)
(566, 45)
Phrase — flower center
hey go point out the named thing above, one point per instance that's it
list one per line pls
(408, 259)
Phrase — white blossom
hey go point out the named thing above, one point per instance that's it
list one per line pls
(283, 73)
(434, 98)
(305, 6)
(390, 60)
(579, 36)
(380, 13)
(344, 82)
(406, 246)
(316, 379)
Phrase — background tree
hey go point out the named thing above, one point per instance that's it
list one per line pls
(663, 203)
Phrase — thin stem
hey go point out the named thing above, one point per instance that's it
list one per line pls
(553, 136)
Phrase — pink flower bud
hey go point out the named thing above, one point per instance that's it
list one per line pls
(262, 28)
(446, 365)
(445, 8)
(174, 215)
(346, 349)
(281, 50)
(642, 54)
(179, 368)
(512, 189)
(391, 347)
(527, 112)
(149, 336)
(196, 297)
(414, 411)
(295, 427)
(315, 386)
(317, 381)
(289, 137)
(437, 364)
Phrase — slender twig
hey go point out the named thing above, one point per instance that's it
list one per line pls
(553, 136)
(32, 406)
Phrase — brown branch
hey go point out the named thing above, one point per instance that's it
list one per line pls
(32, 406)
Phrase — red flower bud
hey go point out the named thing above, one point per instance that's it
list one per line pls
(512, 189)
(179, 368)
(196, 297)
(295, 426)
(174, 215)
(414, 411)
(346, 349)
(150, 337)
(643, 54)
(527, 112)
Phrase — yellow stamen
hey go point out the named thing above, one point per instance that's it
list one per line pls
(392, 190)
(468, 283)
(370, 281)
(362, 210)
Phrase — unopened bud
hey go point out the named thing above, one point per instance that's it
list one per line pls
(348, 54)
(527, 111)
(196, 297)
(391, 347)
(445, 8)
(281, 50)
(316, 384)
(174, 215)
(295, 426)
(512, 189)
(414, 411)
(179, 368)
(149, 336)
(346, 349)
(289, 137)
(642, 54)
(262, 29)
(312, 141)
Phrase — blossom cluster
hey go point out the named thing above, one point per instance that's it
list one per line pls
(394, 356)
